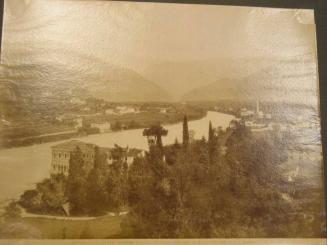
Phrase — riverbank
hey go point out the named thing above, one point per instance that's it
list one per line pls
(22, 167)
(118, 123)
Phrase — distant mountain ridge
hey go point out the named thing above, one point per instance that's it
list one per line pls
(269, 84)
(54, 81)
(58, 73)
(182, 77)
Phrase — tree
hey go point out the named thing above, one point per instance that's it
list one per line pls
(186, 136)
(133, 124)
(99, 159)
(31, 200)
(201, 151)
(116, 182)
(48, 197)
(117, 153)
(156, 131)
(117, 189)
(176, 144)
(116, 126)
(212, 144)
(12, 211)
(96, 185)
(76, 183)
(170, 200)
(85, 124)
(52, 192)
(171, 152)
(237, 196)
(210, 134)
(151, 199)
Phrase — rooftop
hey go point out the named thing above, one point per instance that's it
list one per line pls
(72, 145)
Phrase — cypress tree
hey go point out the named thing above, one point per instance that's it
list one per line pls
(99, 159)
(76, 183)
(176, 144)
(203, 151)
(96, 181)
(210, 135)
(212, 144)
(186, 136)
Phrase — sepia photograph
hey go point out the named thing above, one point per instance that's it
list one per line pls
(140, 120)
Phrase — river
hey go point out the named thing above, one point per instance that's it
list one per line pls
(22, 167)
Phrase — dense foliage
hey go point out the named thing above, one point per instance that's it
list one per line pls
(202, 191)
(83, 192)
(230, 185)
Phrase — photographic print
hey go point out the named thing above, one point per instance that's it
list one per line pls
(157, 120)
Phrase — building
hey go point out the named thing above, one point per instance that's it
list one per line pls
(110, 111)
(4, 122)
(127, 155)
(233, 124)
(246, 113)
(77, 101)
(65, 117)
(103, 127)
(130, 155)
(255, 120)
(78, 122)
(62, 153)
(254, 125)
(126, 110)
(163, 110)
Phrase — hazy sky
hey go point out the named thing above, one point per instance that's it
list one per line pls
(124, 32)
(142, 35)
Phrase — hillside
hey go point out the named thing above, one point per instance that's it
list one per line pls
(47, 82)
(274, 84)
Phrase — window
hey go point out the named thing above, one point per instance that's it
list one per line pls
(59, 155)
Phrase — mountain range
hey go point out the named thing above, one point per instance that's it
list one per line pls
(270, 77)
(58, 75)
(47, 81)
(135, 54)
(273, 84)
